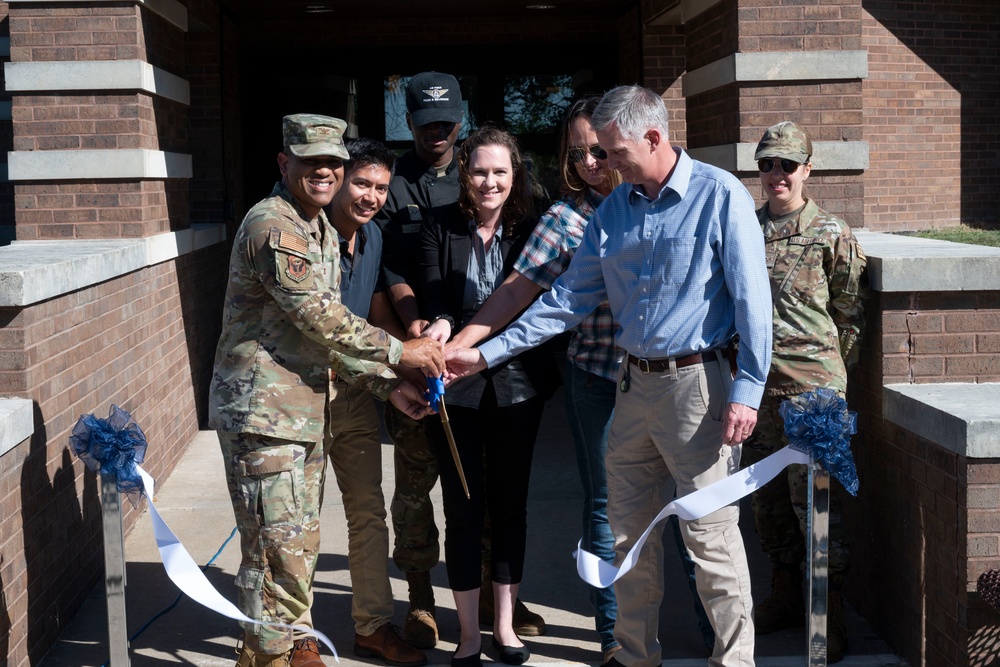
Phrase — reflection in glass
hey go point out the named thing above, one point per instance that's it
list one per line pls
(395, 107)
(535, 103)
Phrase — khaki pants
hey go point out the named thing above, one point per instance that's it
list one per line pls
(671, 426)
(355, 450)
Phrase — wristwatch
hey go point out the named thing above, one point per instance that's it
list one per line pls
(446, 317)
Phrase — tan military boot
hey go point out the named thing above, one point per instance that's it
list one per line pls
(784, 608)
(420, 628)
(247, 658)
(836, 631)
(526, 623)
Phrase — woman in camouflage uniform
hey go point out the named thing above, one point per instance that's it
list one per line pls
(815, 265)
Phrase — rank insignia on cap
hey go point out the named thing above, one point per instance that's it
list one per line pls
(436, 93)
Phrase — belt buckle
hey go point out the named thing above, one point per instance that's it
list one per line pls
(643, 365)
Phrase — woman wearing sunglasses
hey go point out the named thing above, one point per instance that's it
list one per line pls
(815, 265)
(494, 415)
(593, 356)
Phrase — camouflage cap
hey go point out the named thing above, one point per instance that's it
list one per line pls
(310, 135)
(785, 140)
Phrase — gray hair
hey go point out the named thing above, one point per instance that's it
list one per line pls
(633, 109)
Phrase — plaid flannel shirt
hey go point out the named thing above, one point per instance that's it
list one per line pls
(546, 255)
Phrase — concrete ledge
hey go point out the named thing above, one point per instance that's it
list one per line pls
(682, 11)
(96, 75)
(33, 271)
(17, 422)
(962, 418)
(129, 163)
(171, 10)
(776, 66)
(898, 263)
(829, 155)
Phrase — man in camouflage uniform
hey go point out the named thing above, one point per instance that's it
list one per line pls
(284, 327)
(425, 182)
(815, 265)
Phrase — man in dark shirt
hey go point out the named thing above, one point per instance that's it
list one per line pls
(355, 448)
(425, 182)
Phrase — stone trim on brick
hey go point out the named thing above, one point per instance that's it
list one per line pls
(171, 10)
(899, 263)
(33, 271)
(959, 417)
(777, 66)
(17, 423)
(21, 77)
(132, 163)
(830, 156)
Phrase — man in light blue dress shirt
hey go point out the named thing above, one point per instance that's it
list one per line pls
(677, 253)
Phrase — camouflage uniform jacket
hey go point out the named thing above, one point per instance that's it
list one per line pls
(815, 264)
(284, 327)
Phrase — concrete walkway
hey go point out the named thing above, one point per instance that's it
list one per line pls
(195, 503)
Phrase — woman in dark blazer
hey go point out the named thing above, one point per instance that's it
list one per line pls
(464, 257)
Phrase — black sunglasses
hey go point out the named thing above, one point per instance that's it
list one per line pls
(767, 164)
(579, 154)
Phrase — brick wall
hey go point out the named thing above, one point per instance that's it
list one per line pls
(940, 337)
(76, 32)
(114, 120)
(663, 66)
(6, 142)
(144, 341)
(774, 25)
(931, 112)
(924, 524)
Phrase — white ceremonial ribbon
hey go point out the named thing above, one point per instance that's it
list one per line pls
(188, 577)
(601, 574)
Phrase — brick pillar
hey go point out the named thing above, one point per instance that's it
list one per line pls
(753, 63)
(99, 120)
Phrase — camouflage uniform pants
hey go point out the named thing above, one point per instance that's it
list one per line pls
(275, 486)
(416, 546)
(780, 508)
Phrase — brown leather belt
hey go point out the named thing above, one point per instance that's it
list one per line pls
(663, 365)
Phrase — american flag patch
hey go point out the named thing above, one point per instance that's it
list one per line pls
(293, 242)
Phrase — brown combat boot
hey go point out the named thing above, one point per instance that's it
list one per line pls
(420, 628)
(526, 622)
(784, 608)
(836, 631)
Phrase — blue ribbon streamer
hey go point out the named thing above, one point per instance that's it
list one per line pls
(114, 446)
(818, 423)
(435, 390)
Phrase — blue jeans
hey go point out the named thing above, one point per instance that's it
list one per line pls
(590, 404)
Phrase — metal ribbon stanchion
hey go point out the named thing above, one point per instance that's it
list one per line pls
(116, 446)
(818, 560)
(818, 426)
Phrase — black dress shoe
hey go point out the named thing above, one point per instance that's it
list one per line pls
(474, 660)
(512, 655)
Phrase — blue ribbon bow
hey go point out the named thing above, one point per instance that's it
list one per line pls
(818, 423)
(435, 390)
(114, 446)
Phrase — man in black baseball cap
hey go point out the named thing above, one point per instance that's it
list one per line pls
(432, 97)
